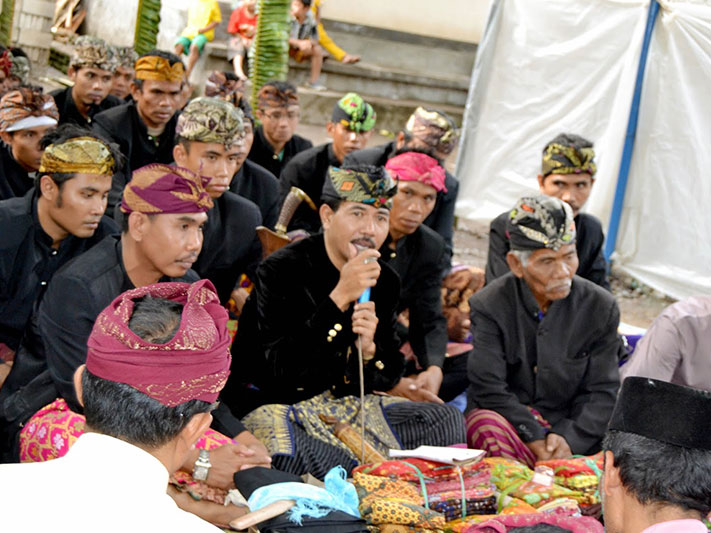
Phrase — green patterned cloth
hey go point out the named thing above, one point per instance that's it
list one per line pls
(568, 159)
(541, 222)
(364, 184)
(211, 120)
(354, 113)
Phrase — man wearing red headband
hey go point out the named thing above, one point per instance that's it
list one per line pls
(419, 255)
(158, 357)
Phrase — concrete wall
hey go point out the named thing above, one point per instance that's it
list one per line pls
(173, 18)
(112, 20)
(458, 20)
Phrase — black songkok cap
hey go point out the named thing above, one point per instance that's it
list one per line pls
(665, 412)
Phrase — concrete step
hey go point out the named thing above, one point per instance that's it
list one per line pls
(317, 106)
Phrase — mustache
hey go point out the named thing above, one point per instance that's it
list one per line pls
(364, 242)
(559, 285)
(187, 259)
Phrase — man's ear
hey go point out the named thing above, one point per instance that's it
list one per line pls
(137, 225)
(326, 214)
(6, 137)
(135, 91)
(515, 264)
(260, 114)
(195, 428)
(612, 483)
(540, 181)
(72, 73)
(48, 188)
(78, 373)
(330, 129)
(179, 154)
(400, 140)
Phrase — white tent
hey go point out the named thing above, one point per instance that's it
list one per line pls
(551, 66)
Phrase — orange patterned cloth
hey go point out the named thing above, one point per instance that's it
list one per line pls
(27, 108)
(158, 68)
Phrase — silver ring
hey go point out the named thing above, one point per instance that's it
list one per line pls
(369, 260)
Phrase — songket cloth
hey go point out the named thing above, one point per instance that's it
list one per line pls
(566, 520)
(299, 441)
(488, 430)
(52, 430)
(580, 474)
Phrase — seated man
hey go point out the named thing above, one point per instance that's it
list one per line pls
(657, 468)
(420, 258)
(301, 330)
(203, 17)
(543, 374)
(275, 142)
(140, 424)
(124, 74)
(676, 346)
(210, 135)
(568, 171)
(25, 116)
(91, 68)
(425, 129)
(303, 40)
(59, 219)
(145, 128)
(351, 125)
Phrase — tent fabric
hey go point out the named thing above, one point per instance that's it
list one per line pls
(552, 66)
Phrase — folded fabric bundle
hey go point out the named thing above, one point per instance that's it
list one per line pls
(413, 469)
(580, 474)
(563, 519)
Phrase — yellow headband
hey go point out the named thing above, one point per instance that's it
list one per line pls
(81, 155)
(158, 68)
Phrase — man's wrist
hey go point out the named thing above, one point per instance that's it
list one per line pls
(338, 299)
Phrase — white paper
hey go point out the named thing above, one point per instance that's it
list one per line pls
(441, 454)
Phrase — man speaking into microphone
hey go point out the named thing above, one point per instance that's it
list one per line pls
(296, 351)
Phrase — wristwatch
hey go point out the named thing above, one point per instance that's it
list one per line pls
(201, 469)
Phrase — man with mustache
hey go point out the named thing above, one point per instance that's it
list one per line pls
(161, 236)
(210, 138)
(91, 68)
(303, 326)
(543, 374)
(351, 125)
(568, 172)
(57, 220)
(145, 128)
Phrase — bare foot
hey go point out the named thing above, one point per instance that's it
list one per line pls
(349, 59)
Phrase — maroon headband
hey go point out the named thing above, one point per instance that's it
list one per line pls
(193, 365)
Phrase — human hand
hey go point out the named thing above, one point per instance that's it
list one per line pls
(359, 273)
(538, 447)
(365, 322)
(226, 460)
(430, 379)
(407, 388)
(237, 300)
(349, 59)
(557, 446)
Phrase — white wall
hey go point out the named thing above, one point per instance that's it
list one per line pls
(112, 20)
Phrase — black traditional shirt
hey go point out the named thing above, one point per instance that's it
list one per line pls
(124, 126)
(294, 342)
(441, 219)
(230, 245)
(563, 363)
(422, 260)
(68, 111)
(257, 184)
(263, 154)
(308, 171)
(14, 180)
(28, 261)
(589, 242)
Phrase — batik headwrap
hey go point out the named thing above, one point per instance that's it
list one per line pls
(415, 166)
(158, 189)
(20, 68)
(354, 113)
(271, 96)
(6, 62)
(193, 365)
(663, 412)
(219, 86)
(366, 185)
(540, 222)
(125, 56)
(157, 68)
(80, 155)
(26, 108)
(562, 159)
(211, 120)
(435, 129)
(92, 52)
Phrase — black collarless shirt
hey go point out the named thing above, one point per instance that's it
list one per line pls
(14, 180)
(124, 126)
(69, 113)
(421, 260)
(588, 243)
(28, 262)
(257, 184)
(307, 171)
(263, 154)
